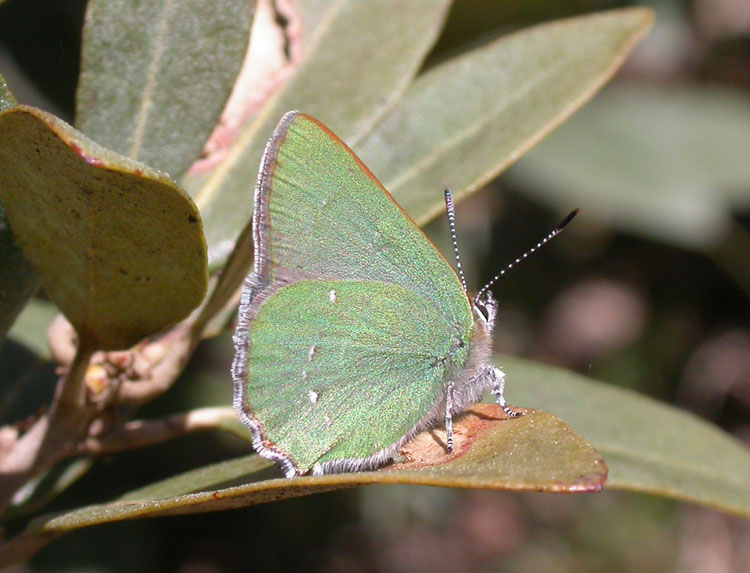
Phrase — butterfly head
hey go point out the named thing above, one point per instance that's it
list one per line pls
(485, 308)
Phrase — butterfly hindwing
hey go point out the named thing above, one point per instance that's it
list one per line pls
(338, 368)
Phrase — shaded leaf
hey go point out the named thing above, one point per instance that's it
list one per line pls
(535, 452)
(155, 75)
(665, 163)
(381, 53)
(118, 245)
(18, 280)
(212, 477)
(46, 487)
(648, 446)
(6, 97)
(464, 121)
(30, 328)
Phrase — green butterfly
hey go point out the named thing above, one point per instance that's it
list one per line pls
(354, 332)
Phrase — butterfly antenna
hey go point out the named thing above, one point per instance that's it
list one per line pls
(544, 241)
(451, 211)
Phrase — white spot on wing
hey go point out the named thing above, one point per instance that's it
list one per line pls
(311, 353)
(304, 374)
(327, 420)
(332, 295)
(313, 396)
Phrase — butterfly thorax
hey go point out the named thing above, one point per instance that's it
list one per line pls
(471, 378)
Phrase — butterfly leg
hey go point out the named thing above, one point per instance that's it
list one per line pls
(498, 391)
(449, 415)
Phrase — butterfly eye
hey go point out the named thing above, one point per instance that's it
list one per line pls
(481, 306)
(485, 306)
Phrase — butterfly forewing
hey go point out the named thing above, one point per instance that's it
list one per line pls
(322, 213)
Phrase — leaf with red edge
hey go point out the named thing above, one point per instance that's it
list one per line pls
(119, 246)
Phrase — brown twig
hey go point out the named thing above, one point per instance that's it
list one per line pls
(66, 429)
(135, 434)
(140, 433)
(54, 435)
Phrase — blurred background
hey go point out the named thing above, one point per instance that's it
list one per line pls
(648, 290)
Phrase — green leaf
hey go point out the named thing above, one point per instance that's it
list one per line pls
(46, 487)
(359, 60)
(155, 76)
(209, 478)
(665, 163)
(30, 328)
(118, 246)
(649, 446)
(18, 280)
(464, 121)
(536, 452)
(6, 97)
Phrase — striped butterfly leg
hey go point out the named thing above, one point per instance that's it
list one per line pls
(492, 377)
(497, 379)
(449, 390)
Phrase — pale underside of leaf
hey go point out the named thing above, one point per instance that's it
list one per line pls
(464, 121)
(322, 86)
(155, 76)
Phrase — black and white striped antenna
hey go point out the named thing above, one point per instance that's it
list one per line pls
(544, 241)
(451, 211)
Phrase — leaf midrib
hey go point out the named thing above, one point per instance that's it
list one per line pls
(148, 91)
